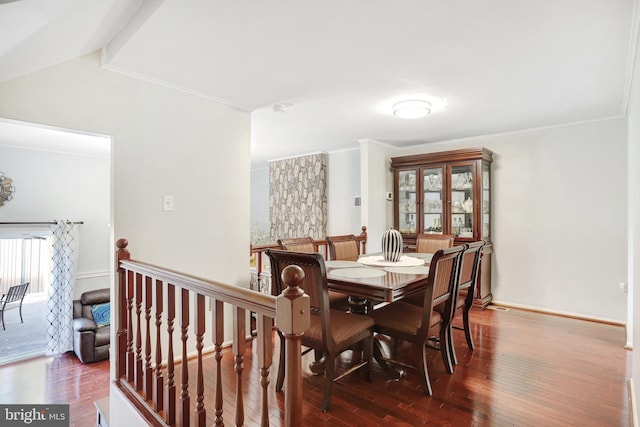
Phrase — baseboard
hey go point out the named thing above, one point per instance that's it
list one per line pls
(633, 418)
(92, 274)
(559, 313)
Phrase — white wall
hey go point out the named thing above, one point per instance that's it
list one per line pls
(52, 185)
(164, 142)
(633, 276)
(260, 200)
(376, 181)
(343, 186)
(559, 216)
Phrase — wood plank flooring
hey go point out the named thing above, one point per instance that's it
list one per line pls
(528, 369)
(60, 379)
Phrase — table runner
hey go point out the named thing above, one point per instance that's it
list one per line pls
(378, 260)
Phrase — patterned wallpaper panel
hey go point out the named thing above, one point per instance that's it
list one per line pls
(298, 197)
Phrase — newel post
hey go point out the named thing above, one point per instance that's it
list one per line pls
(121, 334)
(292, 318)
(363, 235)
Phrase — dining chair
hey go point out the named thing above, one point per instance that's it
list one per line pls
(298, 244)
(418, 324)
(430, 243)
(307, 245)
(344, 247)
(469, 267)
(331, 332)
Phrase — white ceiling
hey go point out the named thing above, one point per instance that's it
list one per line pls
(488, 66)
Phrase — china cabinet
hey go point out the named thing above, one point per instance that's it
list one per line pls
(447, 192)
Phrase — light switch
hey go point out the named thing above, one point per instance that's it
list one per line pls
(167, 202)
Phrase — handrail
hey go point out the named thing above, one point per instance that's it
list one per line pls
(159, 390)
(241, 297)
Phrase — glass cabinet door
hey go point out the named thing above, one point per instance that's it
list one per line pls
(486, 185)
(462, 201)
(407, 201)
(432, 200)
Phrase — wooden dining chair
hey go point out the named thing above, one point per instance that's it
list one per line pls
(298, 244)
(469, 267)
(331, 331)
(344, 247)
(419, 324)
(306, 245)
(430, 243)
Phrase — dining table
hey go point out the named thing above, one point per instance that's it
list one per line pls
(371, 280)
(377, 280)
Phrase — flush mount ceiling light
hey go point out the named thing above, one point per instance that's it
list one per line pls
(411, 109)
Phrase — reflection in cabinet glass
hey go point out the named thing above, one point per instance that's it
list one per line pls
(406, 199)
(451, 196)
(432, 200)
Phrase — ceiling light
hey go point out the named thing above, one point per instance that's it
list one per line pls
(411, 109)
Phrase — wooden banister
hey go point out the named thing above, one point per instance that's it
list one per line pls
(160, 388)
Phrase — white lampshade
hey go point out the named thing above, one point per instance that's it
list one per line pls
(411, 109)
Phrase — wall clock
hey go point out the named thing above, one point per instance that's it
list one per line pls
(6, 189)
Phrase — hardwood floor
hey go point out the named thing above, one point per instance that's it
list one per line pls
(60, 379)
(528, 369)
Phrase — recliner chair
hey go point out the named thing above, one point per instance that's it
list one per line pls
(90, 341)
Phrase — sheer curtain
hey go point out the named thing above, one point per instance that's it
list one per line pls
(60, 303)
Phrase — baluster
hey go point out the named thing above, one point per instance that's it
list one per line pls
(130, 355)
(200, 413)
(138, 332)
(239, 348)
(217, 321)
(158, 400)
(265, 359)
(170, 412)
(148, 378)
(185, 400)
(122, 254)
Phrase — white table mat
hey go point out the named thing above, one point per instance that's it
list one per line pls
(408, 270)
(341, 264)
(358, 273)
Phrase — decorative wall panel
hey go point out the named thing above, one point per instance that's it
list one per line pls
(298, 197)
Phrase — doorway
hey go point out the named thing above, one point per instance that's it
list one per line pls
(58, 174)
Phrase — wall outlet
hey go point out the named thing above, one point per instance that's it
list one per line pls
(389, 196)
(623, 287)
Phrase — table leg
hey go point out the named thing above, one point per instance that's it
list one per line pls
(394, 374)
(359, 305)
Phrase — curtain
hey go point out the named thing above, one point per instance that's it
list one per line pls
(60, 303)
